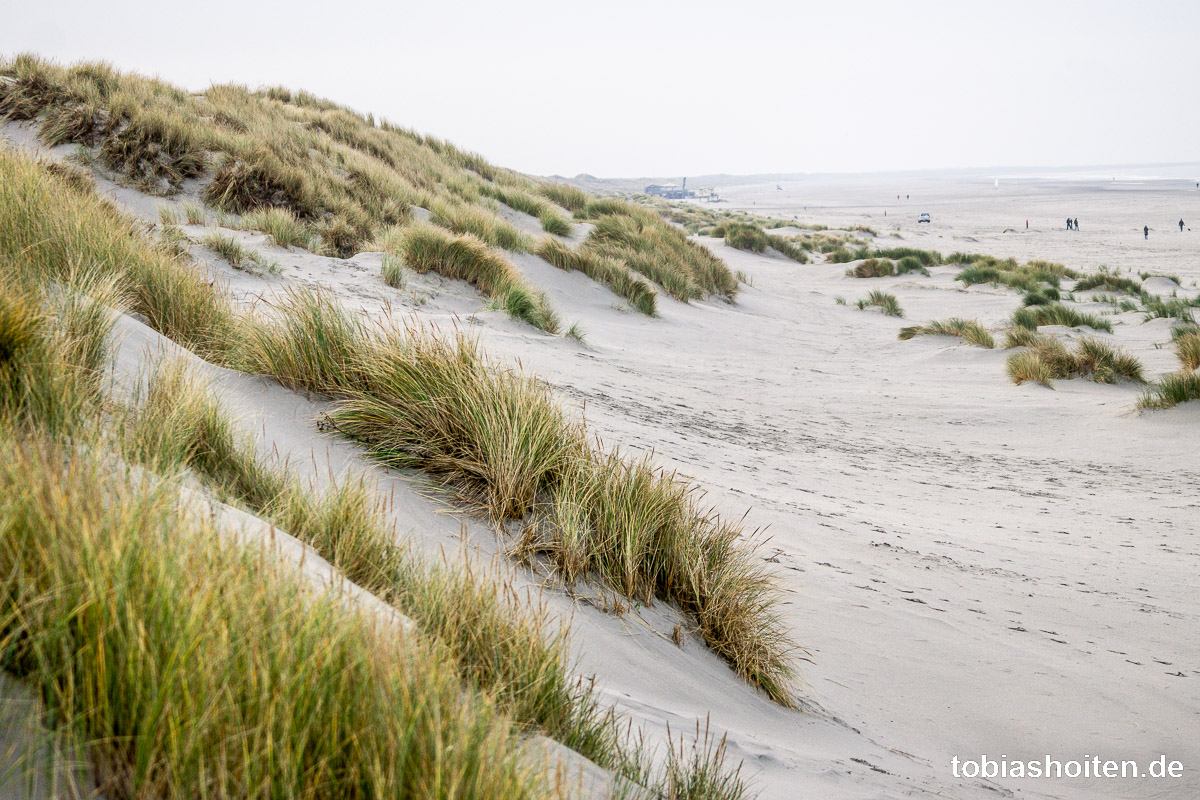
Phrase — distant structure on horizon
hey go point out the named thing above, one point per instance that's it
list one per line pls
(673, 191)
(670, 191)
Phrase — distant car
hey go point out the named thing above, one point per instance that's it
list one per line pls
(923, 218)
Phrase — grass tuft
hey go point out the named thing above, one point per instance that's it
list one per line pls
(1047, 358)
(968, 330)
(429, 248)
(1172, 390)
(611, 273)
(887, 303)
(1187, 346)
(873, 268)
(281, 224)
(1034, 317)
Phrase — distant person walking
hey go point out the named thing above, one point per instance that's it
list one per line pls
(1069, 224)
(1145, 231)
(1026, 224)
(1181, 224)
(1077, 223)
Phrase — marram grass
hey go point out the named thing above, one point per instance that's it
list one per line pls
(430, 248)
(185, 667)
(614, 274)
(344, 176)
(499, 441)
(969, 330)
(1046, 358)
(493, 435)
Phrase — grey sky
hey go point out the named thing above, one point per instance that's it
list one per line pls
(671, 88)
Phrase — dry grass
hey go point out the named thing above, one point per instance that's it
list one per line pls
(498, 441)
(55, 229)
(647, 244)
(969, 330)
(341, 174)
(281, 224)
(236, 254)
(429, 248)
(610, 272)
(1172, 390)
(1187, 347)
(872, 268)
(1046, 358)
(1028, 367)
(887, 303)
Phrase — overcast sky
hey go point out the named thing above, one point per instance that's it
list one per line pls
(641, 87)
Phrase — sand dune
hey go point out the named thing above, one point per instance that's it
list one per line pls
(972, 567)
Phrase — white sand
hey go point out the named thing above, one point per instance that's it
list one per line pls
(972, 567)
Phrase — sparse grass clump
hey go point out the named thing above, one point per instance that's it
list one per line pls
(1033, 317)
(887, 303)
(194, 214)
(1041, 296)
(1029, 277)
(481, 223)
(911, 264)
(926, 258)
(1109, 282)
(393, 272)
(873, 268)
(1169, 308)
(554, 222)
(968, 330)
(1046, 358)
(281, 224)
(1187, 346)
(647, 244)
(640, 294)
(745, 236)
(840, 255)
(1028, 367)
(236, 254)
(429, 248)
(1171, 390)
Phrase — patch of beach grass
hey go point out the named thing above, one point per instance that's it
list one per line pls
(1033, 317)
(1172, 390)
(1109, 282)
(610, 272)
(179, 662)
(1046, 358)
(54, 229)
(647, 244)
(926, 258)
(281, 224)
(430, 248)
(1187, 347)
(969, 330)
(873, 268)
(885, 302)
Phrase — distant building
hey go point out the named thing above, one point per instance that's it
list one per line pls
(670, 191)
